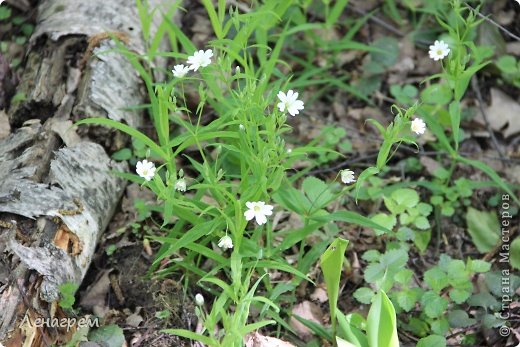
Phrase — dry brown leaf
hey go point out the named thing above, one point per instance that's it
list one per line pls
(258, 340)
(503, 113)
(431, 165)
(95, 296)
(320, 295)
(309, 311)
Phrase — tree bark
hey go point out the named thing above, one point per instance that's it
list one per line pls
(57, 191)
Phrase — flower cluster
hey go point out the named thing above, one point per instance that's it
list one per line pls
(197, 60)
(288, 103)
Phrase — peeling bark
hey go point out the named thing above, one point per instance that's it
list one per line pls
(54, 205)
(57, 192)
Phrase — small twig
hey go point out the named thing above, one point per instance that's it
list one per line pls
(476, 89)
(379, 21)
(486, 18)
(385, 25)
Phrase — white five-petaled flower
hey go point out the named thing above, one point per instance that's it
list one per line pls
(258, 210)
(289, 102)
(145, 169)
(225, 242)
(418, 126)
(200, 59)
(199, 299)
(180, 71)
(180, 185)
(439, 50)
(347, 176)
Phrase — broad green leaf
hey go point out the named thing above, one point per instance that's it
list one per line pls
(422, 223)
(292, 199)
(434, 305)
(422, 239)
(460, 319)
(122, 154)
(459, 295)
(381, 323)
(407, 299)
(436, 279)
(385, 220)
(483, 228)
(110, 335)
(432, 341)
(477, 265)
(440, 326)
(331, 263)
(374, 272)
(349, 327)
(494, 281)
(439, 94)
(317, 191)
(390, 51)
(368, 172)
(484, 300)
(371, 255)
(404, 276)
(406, 197)
(364, 295)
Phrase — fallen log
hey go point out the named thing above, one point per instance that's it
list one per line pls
(55, 203)
(57, 191)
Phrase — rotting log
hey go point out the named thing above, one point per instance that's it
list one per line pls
(54, 205)
(57, 192)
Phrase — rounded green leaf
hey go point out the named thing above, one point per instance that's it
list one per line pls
(432, 341)
(439, 94)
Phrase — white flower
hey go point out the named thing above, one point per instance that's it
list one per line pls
(180, 70)
(145, 169)
(225, 242)
(418, 126)
(347, 176)
(180, 185)
(199, 299)
(289, 102)
(200, 59)
(241, 127)
(289, 150)
(439, 50)
(258, 210)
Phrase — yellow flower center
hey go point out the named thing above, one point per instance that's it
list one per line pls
(257, 208)
(439, 51)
